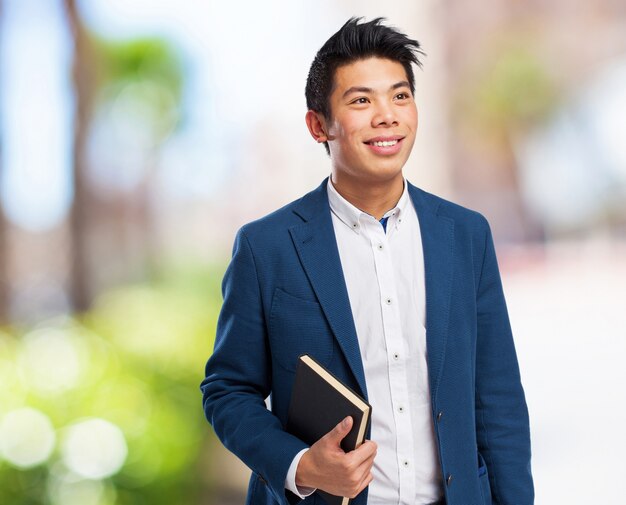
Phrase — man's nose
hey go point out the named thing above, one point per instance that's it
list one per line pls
(384, 115)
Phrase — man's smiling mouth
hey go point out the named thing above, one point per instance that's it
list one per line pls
(384, 140)
(384, 143)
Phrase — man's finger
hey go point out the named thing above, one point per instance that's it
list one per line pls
(366, 465)
(366, 481)
(362, 456)
(367, 450)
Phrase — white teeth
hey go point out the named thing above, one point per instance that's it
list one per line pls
(385, 144)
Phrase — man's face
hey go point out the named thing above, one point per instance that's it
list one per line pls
(374, 120)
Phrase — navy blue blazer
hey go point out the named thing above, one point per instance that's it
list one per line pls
(285, 295)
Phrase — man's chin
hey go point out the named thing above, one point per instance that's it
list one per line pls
(384, 175)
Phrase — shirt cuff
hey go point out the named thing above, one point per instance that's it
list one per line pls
(290, 480)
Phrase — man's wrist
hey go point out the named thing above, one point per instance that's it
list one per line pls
(291, 482)
(302, 471)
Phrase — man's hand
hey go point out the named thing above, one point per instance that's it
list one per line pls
(327, 467)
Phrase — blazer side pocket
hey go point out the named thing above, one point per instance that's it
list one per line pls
(483, 478)
(297, 327)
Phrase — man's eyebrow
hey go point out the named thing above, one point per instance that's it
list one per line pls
(365, 89)
(401, 84)
(357, 89)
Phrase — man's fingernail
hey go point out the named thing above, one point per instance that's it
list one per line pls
(345, 423)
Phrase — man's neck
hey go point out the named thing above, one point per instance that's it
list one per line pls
(375, 199)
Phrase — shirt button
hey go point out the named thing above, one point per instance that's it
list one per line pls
(388, 301)
(380, 247)
(400, 409)
(449, 480)
(406, 464)
(439, 416)
(396, 356)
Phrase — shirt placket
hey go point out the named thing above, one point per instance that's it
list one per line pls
(396, 361)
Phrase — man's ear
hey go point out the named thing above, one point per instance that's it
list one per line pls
(317, 126)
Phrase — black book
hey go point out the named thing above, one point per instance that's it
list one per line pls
(319, 401)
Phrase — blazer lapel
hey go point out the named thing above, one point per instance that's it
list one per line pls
(316, 245)
(437, 242)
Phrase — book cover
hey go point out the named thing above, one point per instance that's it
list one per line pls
(319, 401)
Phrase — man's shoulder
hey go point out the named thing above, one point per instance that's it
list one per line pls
(291, 214)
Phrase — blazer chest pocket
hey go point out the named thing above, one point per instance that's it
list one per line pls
(298, 327)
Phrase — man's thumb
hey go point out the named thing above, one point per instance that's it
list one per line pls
(341, 430)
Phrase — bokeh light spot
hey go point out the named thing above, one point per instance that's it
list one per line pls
(94, 448)
(69, 489)
(27, 437)
(49, 360)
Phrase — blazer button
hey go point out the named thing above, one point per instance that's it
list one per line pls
(449, 480)
(439, 416)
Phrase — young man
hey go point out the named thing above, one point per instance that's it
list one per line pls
(396, 291)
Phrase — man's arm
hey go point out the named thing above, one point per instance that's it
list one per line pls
(238, 378)
(502, 425)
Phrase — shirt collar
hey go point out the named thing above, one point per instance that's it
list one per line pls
(352, 216)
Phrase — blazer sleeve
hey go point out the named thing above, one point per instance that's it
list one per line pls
(502, 424)
(238, 378)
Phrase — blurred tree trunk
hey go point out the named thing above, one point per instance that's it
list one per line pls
(4, 278)
(84, 91)
(4, 259)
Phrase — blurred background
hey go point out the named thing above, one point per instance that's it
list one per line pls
(136, 136)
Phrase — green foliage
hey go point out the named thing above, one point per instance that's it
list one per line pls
(139, 59)
(136, 361)
(512, 90)
(144, 77)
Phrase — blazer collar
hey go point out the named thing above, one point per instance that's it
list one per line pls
(354, 218)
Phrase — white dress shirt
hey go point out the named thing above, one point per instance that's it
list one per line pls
(384, 274)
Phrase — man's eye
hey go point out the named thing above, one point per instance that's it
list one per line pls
(360, 100)
(402, 96)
